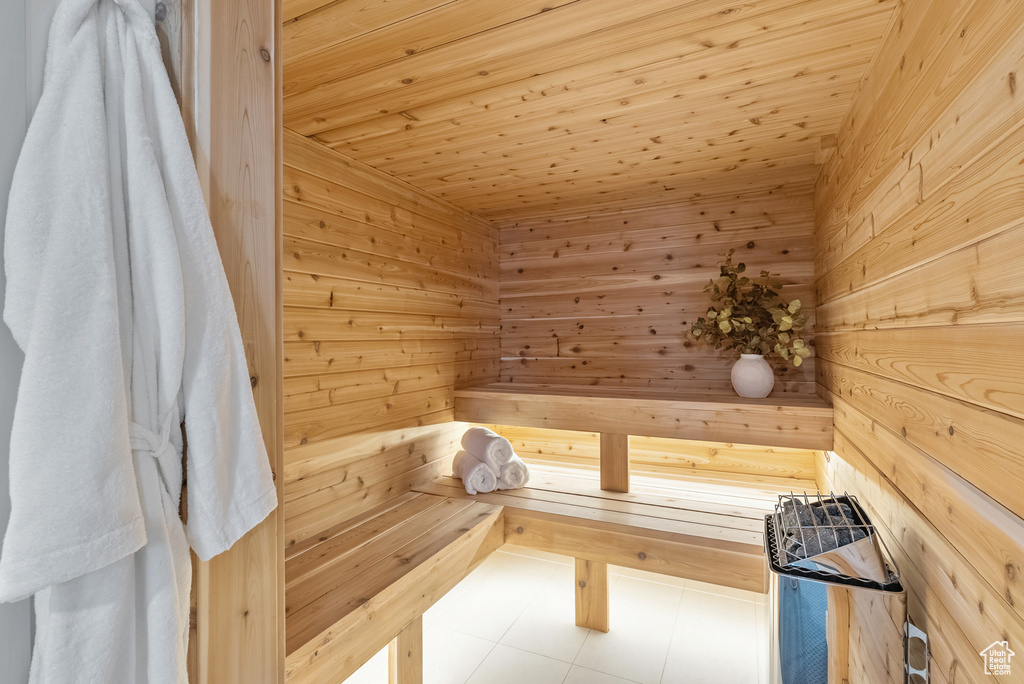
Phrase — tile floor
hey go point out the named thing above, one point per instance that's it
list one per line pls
(512, 622)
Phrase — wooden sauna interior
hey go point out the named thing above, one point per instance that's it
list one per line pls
(484, 201)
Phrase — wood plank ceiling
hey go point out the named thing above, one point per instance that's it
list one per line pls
(531, 108)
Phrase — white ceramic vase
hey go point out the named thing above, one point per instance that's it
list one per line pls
(752, 377)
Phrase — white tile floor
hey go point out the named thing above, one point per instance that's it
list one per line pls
(512, 622)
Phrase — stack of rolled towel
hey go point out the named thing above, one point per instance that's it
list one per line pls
(488, 462)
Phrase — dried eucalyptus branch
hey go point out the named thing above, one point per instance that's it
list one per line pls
(751, 316)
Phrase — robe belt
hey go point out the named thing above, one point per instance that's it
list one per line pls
(144, 439)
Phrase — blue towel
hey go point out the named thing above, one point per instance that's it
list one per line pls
(802, 640)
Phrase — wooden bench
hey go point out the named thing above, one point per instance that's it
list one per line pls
(798, 421)
(353, 589)
(708, 533)
(366, 583)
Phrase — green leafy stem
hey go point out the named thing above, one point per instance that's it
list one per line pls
(750, 315)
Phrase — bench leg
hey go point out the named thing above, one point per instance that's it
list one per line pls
(592, 595)
(614, 462)
(405, 655)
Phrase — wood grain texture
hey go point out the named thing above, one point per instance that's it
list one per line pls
(592, 595)
(838, 634)
(390, 304)
(614, 462)
(405, 655)
(533, 107)
(354, 567)
(728, 462)
(918, 218)
(607, 298)
(230, 94)
(706, 534)
(381, 598)
(801, 422)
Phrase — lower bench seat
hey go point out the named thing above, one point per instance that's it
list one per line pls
(702, 536)
(367, 582)
(352, 590)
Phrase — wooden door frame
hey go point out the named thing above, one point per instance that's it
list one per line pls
(224, 57)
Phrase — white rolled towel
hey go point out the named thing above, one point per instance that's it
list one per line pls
(476, 475)
(488, 446)
(513, 474)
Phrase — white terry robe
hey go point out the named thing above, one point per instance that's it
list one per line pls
(117, 296)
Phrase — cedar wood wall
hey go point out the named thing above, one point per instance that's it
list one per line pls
(920, 248)
(391, 303)
(607, 298)
(919, 324)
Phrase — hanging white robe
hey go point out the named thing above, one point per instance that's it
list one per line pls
(117, 296)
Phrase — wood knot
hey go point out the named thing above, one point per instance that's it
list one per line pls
(265, 54)
(642, 555)
(583, 584)
(520, 530)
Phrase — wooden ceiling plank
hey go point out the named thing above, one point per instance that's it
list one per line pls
(637, 197)
(717, 124)
(730, 95)
(290, 9)
(659, 164)
(341, 21)
(528, 117)
(513, 53)
(314, 54)
(584, 86)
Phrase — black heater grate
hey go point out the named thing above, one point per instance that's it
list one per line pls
(828, 539)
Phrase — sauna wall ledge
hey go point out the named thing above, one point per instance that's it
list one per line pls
(802, 422)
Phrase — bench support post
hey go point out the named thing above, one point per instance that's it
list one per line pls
(405, 655)
(592, 595)
(614, 462)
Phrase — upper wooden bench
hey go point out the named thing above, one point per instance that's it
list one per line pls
(797, 421)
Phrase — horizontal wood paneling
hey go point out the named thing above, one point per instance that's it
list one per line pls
(707, 461)
(919, 329)
(526, 108)
(794, 421)
(390, 300)
(607, 298)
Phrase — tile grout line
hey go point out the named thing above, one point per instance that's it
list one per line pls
(668, 651)
(482, 661)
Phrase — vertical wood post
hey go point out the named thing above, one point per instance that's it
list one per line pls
(614, 462)
(837, 630)
(405, 655)
(592, 595)
(224, 56)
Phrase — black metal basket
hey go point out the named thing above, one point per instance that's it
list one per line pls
(780, 564)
